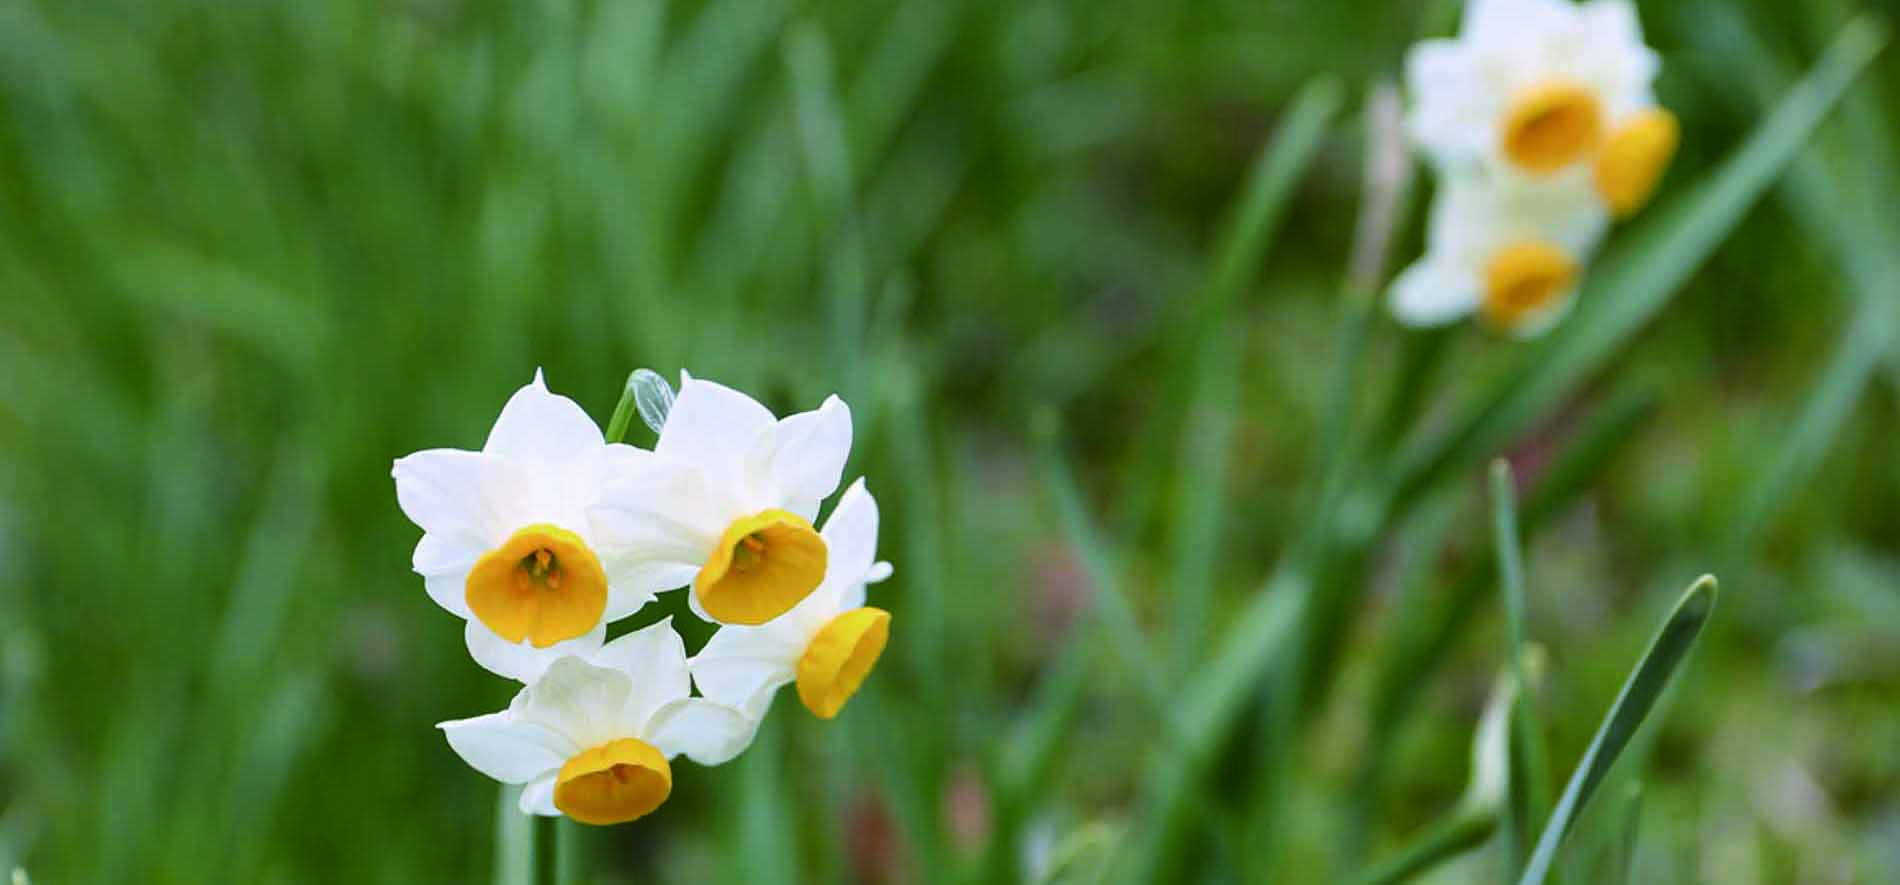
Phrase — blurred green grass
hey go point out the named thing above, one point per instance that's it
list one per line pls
(249, 253)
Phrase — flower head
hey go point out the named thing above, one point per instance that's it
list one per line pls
(591, 737)
(507, 544)
(1545, 87)
(827, 644)
(1511, 250)
(729, 508)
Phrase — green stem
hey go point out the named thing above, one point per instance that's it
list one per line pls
(546, 856)
(623, 412)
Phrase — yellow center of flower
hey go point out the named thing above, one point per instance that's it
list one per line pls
(761, 567)
(613, 783)
(1634, 158)
(839, 657)
(1551, 125)
(543, 585)
(1523, 280)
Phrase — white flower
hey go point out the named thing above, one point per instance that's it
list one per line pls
(1542, 87)
(507, 545)
(729, 507)
(826, 644)
(1510, 249)
(591, 737)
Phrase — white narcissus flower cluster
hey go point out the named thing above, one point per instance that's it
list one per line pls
(550, 533)
(1540, 121)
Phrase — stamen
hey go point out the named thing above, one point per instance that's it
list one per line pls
(543, 585)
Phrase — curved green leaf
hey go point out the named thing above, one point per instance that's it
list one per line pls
(1633, 703)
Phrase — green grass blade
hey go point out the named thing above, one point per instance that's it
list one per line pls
(767, 827)
(1633, 284)
(1267, 631)
(1633, 704)
(1206, 456)
(821, 126)
(1109, 603)
(1281, 164)
(1248, 234)
(1850, 219)
(1630, 830)
(911, 44)
(1815, 427)
(1529, 793)
(1429, 625)
(1449, 837)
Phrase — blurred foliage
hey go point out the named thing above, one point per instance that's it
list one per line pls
(250, 253)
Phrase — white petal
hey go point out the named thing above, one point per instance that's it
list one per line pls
(1504, 22)
(505, 749)
(655, 659)
(706, 732)
(452, 493)
(1433, 293)
(880, 571)
(712, 423)
(444, 562)
(540, 426)
(850, 535)
(801, 458)
(740, 663)
(654, 529)
(578, 700)
(438, 554)
(1613, 24)
(449, 590)
(853, 596)
(1435, 67)
(521, 661)
(538, 797)
(651, 578)
(625, 598)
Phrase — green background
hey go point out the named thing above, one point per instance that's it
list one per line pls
(250, 253)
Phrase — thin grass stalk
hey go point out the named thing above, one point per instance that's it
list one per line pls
(1308, 662)
(1529, 794)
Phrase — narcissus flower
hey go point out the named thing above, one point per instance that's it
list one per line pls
(591, 738)
(1508, 249)
(826, 644)
(729, 508)
(1543, 88)
(507, 544)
